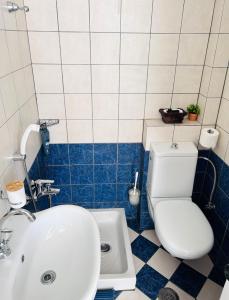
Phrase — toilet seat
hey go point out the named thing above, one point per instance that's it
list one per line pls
(183, 229)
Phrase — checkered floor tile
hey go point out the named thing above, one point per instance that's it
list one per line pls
(156, 268)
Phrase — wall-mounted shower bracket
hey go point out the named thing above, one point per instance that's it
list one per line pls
(12, 7)
(49, 122)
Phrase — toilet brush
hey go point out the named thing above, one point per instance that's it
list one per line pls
(134, 193)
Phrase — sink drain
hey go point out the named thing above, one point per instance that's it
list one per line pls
(167, 294)
(48, 277)
(105, 247)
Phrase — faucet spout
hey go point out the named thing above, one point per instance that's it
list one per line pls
(30, 216)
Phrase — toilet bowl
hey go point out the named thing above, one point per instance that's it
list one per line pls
(180, 225)
(182, 228)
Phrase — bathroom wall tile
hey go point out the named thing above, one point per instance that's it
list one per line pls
(2, 112)
(133, 79)
(217, 81)
(15, 131)
(187, 133)
(105, 192)
(5, 149)
(136, 16)
(126, 173)
(167, 16)
(134, 48)
(73, 15)
(130, 131)
(105, 106)
(58, 133)
(183, 100)
(29, 82)
(222, 144)
(160, 79)
(24, 48)
(154, 102)
(105, 131)
(192, 49)
(105, 174)
(20, 17)
(218, 11)
(81, 154)
(226, 88)
(122, 193)
(212, 44)
(129, 153)
(157, 134)
(4, 57)
(40, 53)
(48, 78)
(131, 106)
(197, 16)
(75, 48)
(81, 174)
(78, 106)
(77, 78)
(105, 79)
(225, 20)
(221, 55)
(211, 111)
(222, 204)
(58, 155)
(19, 81)
(105, 153)
(80, 131)
(64, 197)
(206, 77)
(105, 16)
(60, 174)
(51, 106)
(14, 43)
(187, 79)
(41, 17)
(8, 93)
(82, 193)
(163, 49)
(105, 48)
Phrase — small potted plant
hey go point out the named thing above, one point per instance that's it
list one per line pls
(193, 112)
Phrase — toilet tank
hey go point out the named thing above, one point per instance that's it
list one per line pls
(171, 170)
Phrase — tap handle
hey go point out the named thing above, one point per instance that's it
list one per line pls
(43, 181)
(5, 235)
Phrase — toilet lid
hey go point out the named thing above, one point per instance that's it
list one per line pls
(183, 229)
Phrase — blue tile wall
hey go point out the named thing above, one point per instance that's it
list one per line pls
(92, 175)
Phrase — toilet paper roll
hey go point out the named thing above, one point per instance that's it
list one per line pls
(209, 138)
(16, 194)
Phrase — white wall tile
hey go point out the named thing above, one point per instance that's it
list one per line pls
(24, 48)
(73, 15)
(14, 43)
(2, 112)
(222, 144)
(218, 11)
(216, 82)
(9, 20)
(134, 48)
(197, 16)
(167, 16)
(78, 106)
(202, 104)
(163, 49)
(8, 93)
(20, 81)
(20, 17)
(105, 79)
(105, 15)
(154, 102)
(160, 79)
(205, 80)
(130, 131)
(187, 134)
(192, 49)
(187, 79)
(131, 106)
(136, 15)
(227, 155)
(105, 131)
(42, 16)
(211, 49)
(44, 47)
(5, 149)
(211, 111)
(223, 119)
(77, 78)
(183, 100)
(105, 106)
(15, 131)
(58, 133)
(226, 88)
(80, 131)
(105, 48)
(225, 18)
(5, 66)
(48, 78)
(133, 79)
(51, 106)
(29, 81)
(221, 55)
(75, 48)
(157, 134)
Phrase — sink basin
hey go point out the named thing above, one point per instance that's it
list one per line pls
(55, 257)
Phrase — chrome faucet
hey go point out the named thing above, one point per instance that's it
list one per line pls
(5, 234)
(43, 188)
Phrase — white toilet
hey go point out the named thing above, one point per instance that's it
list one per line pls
(180, 225)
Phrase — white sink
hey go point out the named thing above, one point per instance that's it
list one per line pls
(65, 240)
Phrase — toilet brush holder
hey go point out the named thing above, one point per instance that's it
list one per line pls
(134, 196)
